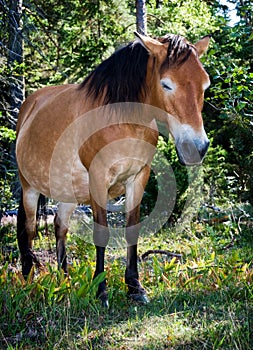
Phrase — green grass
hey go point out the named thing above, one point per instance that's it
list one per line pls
(202, 301)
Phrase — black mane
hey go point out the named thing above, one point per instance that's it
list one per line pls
(121, 77)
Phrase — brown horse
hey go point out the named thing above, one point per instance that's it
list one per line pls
(90, 142)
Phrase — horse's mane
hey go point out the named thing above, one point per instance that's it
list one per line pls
(122, 76)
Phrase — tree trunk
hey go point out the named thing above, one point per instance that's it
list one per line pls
(15, 58)
(141, 17)
(16, 80)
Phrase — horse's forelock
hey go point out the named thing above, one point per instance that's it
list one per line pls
(179, 49)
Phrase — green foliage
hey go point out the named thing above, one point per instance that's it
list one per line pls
(6, 195)
(205, 298)
(229, 104)
(169, 178)
(75, 37)
(64, 41)
(213, 182)
(192, 19)
(217, 184)
(49, 296)
(7, 134)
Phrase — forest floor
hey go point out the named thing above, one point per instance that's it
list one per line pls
(202, 298)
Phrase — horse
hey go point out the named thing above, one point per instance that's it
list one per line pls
(89, 142)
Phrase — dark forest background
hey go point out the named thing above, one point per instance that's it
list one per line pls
(56, 42)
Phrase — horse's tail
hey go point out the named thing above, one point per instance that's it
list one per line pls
(42, 212)
(21, 229)
(23, 241)
(42, 207)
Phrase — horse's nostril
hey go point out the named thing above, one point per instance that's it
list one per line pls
(204, 148)
(192, 152)
(188, 148)
(188, 153)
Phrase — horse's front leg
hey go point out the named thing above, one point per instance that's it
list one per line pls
(100, 239)
(134, 192)
(135, 289)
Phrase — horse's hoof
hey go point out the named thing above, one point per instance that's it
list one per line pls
(104, 300)
(26, 269)
(136, 292)
(139, 298)
(105, 304)
(28, 261)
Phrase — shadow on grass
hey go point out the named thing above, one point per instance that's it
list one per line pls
(174, 319)
(46, 315)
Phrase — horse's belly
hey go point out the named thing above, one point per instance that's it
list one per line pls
(70, 187)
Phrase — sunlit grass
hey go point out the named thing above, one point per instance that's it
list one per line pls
(203, 300)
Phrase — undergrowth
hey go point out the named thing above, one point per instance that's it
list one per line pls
(200, 299)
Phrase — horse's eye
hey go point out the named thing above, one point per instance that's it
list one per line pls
(166, 86)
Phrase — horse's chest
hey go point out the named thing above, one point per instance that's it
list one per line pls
(125, 170)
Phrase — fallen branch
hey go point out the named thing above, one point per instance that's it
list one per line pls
(160, 251)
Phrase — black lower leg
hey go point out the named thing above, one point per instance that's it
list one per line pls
(131, 274)
(131, 270)
(60, 235)
(27, 256)
(61, 256)
(135, 289)
(101, 293)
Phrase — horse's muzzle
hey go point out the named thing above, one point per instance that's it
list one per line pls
(192, 152)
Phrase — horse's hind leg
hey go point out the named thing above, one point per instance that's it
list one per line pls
(61, 224)
(26, 228)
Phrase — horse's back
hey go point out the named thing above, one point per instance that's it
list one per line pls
(36, 100)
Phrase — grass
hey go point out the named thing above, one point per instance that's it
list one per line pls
(202, 301)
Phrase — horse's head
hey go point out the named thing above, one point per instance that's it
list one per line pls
(178, 80)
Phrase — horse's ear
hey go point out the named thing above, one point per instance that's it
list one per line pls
(202, 45)
(151, 45)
